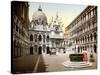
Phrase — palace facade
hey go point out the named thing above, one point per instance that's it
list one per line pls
(82, 31)
(20, 25)
(45, 38)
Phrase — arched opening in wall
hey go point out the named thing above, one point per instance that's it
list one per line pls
(48, 50)
(81, 49)
(31, 37)
(47, 38)
(43, 38)
(35, 37)
(40, 38)
(83, 39)
(88, 38)
(95, 48)
(95, 36)
(40, 50)
(78, 49)
(31, 50)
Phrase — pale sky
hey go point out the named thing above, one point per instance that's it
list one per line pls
(67, 12)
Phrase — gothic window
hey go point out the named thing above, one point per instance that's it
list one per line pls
(91, 37)
(40, 38)
(47, 38)
(48, 49)
(85, 48)
(95, 48)
(43, 38)
(35, 36)
(88, 38)
(31, 37)
(78, 49)
(95, 36)
(31, 50)
(83, 39)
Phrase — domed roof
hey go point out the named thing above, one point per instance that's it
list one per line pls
(39, 16)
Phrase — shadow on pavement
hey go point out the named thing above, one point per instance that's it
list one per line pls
(24, 64)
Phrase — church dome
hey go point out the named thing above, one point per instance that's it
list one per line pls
(39, 17)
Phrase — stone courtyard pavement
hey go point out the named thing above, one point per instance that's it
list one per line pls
(44, 63)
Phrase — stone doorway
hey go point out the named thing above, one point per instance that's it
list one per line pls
(40, 50)
(31, 50)
(48, 50)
